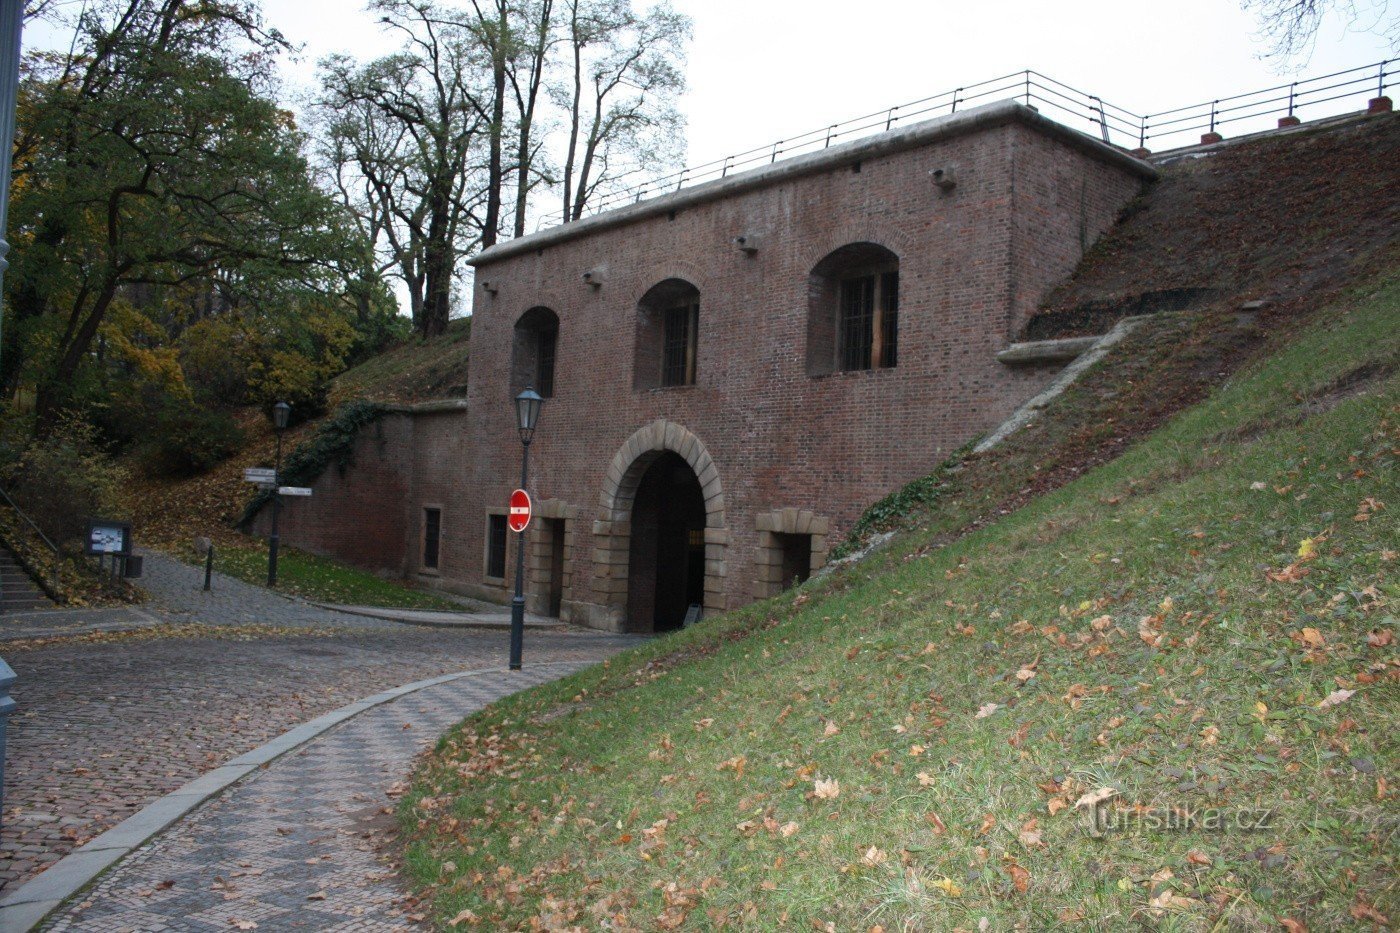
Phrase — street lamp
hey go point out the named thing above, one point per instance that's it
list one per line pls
(527, 413)
(280, 412)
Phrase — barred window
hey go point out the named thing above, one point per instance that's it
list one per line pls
(853, 320)
(668, 336)
(534, 351)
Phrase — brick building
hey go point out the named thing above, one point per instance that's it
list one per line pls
(734, 371)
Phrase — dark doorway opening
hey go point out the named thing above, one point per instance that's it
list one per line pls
(554, 541)
(797, 558)
(666, 566)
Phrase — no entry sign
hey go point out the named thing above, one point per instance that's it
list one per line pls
(519, 517)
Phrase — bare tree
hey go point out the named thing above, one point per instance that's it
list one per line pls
(404, 138)
(1290, 26)
(624, 77)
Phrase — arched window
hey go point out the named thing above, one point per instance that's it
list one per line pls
(853, 310)
(532, 357)
(668, 335)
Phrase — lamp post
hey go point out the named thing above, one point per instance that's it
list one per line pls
(527, 413)
(280, 412)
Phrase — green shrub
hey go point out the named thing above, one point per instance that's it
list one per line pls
(65, 478)
(189, 440)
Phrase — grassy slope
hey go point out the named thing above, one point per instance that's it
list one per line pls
(675, 785)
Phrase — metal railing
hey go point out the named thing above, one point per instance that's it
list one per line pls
(1287, 99)
(1077, 109)
(57, 553)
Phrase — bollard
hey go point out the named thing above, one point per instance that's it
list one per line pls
(7, 706)
(208, 566)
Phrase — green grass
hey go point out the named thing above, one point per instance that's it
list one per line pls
(1168, 625)
(323, 580)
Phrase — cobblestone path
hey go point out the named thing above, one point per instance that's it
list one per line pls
(104, 727)
(294, 846)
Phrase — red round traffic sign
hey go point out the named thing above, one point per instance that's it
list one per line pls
(520, 510)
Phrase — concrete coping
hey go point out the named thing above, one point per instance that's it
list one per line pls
(1046, 351)
(887, 143)
(26, 907)
(433, 407)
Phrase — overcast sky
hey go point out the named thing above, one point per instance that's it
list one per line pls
(761, 70)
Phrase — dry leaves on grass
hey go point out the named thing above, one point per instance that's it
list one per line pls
(824, 789)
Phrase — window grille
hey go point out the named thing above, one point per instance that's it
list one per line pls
(857, 319)
(544, 368)
(889, 319)
(680, 325)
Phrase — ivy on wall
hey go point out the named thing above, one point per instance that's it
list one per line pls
(333, 444)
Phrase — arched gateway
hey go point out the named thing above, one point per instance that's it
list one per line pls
(660, 536)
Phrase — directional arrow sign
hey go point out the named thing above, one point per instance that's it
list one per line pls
(294, 490)
(519, 517)
(260, 475)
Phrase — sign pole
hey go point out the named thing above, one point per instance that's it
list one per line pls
(517, 603)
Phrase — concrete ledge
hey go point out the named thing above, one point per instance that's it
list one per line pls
(434, 407)
(1046, 351)
(24, 908)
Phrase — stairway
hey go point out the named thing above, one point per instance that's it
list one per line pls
(17, 591)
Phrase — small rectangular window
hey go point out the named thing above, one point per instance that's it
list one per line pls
(432, 529)
(496, 546)
(680, 326)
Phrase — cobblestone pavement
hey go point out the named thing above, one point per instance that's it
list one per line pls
(295, 846)
(177, 590)
(105, 727)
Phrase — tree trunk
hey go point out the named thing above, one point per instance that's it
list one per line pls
(53, 393)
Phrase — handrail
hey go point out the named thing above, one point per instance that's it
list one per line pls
(57, 553)
(1059, 101)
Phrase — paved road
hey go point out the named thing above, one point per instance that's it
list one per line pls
(105, 725)
(298, 846)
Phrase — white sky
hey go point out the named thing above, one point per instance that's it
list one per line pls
(761, 70)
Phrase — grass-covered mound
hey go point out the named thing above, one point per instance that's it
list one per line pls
(1206, 623)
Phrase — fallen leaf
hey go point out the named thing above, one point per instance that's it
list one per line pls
(984, 711)
(1379, 638)
(873, 856)
(1095, 797)
(1019, 877)
(936, 822)
(948, 886)
(824, 789)
(466, 916)
(1335, 698)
